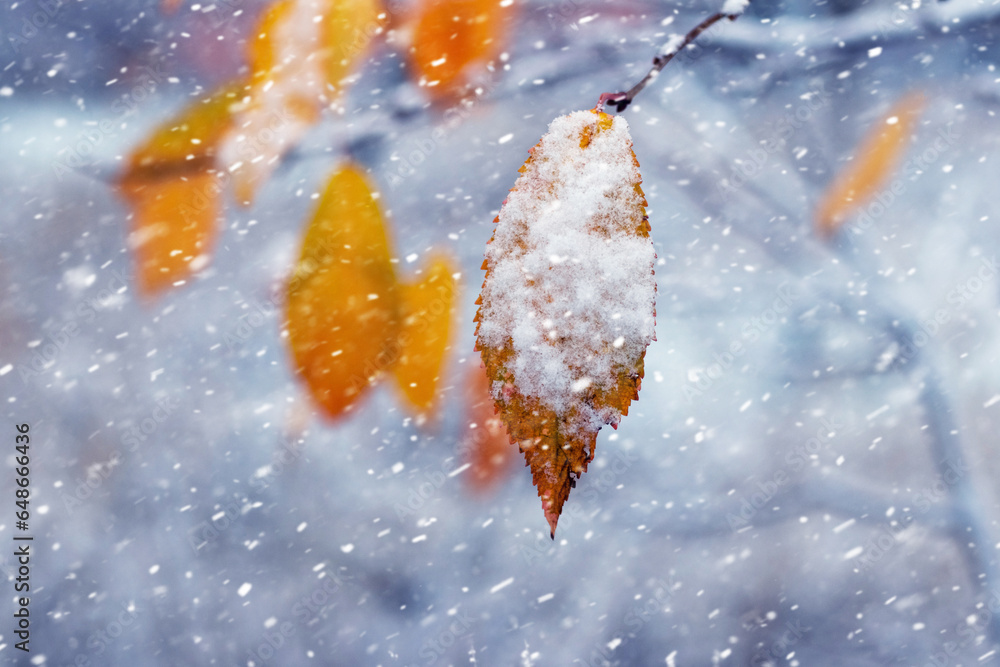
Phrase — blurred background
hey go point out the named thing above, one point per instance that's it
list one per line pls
(807, 478)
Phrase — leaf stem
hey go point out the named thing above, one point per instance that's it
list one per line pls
(622, 100)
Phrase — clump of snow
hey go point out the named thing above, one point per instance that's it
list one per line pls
(672, 46)
(570, 285)
(734, 7)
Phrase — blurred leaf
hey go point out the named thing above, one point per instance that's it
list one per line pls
(174, 224)
(343, 298)
(580, 373)
(174, 195)
(487, 446)
(426, 308)
(876, 158)
(346, 35)
(349, 321)
(297, 65)
(337, 334)
(189, 140)
(453, 35)
(170, 6)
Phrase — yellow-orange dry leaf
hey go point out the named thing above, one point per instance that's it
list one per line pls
(567, 308)
(876, 158)
(337, 334)
(453, 35)
(343, 298)
(426, 312)
(487, 448)
(300, 53)
(346, 35)
(189, 140)
(264, 48)
(174, 224)
(173, 193)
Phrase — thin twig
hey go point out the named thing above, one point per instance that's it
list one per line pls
(622, 100)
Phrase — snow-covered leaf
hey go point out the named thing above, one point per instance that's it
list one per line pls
(567, 306)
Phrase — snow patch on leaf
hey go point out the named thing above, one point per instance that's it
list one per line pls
(564, 264)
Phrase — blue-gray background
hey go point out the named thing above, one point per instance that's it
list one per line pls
(825, 497)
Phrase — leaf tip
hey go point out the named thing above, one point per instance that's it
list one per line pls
(553, 520)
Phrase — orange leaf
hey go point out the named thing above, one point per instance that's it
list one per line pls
(264, 49)
(297, 64)
(876, 158)
(174, 224)
(426, 309)
(567, 307)
(487, 447)
(342, 299)
(351, 27)
(189, 140)
(453, 35)
(173, 194)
